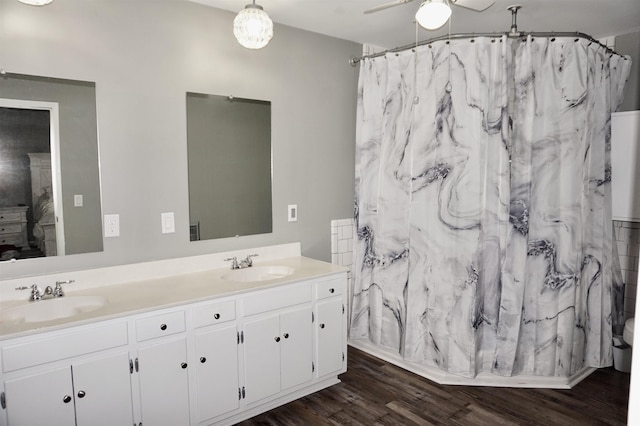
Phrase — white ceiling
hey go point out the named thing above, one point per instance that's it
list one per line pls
(395, 27)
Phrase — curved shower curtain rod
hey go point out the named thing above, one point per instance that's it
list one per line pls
(510, 34)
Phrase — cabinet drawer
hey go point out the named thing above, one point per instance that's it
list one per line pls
(10, 217)
(63, 345)
(160, 325)
(13, 239)
(10, 228)
(276, 299)
(214, 313)
(330, 288)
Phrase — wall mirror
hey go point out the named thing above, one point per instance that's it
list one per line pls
(229, 154)
(49, 179)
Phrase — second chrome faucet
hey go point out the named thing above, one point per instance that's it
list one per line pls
(245, 263)
(49, 291)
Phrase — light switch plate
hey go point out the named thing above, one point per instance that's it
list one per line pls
(111, 225)
(77, 200)
(168, 223)
(292, 212)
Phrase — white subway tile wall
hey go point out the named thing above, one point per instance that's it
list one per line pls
(627, 235)
(342, 237)
(342, 242)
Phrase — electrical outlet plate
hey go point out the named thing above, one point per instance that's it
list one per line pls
(111, 225)
(292, 212)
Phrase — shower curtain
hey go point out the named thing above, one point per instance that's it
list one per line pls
(484, 235)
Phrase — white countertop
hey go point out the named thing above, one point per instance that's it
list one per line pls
(146, 295)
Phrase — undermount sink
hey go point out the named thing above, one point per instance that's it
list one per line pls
(50, 309)
(258, 273)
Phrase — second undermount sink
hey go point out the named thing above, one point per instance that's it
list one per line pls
(51, 309)
(258, 273)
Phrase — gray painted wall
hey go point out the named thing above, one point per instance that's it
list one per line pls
(629, 44)
(144, 56)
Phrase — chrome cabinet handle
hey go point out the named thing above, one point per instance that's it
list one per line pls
(81, 394)
(183, 365)
(66, 399)
(277, 339)
(163, 327)
(203, 359)
(216, 316)
(286, 335)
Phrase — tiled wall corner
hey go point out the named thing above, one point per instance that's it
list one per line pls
(627, 235)
(342, 240)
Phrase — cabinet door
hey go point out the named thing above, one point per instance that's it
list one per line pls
(102, 391)
(164, 385)
(296, 355)
(330, 340)
(41, 399)
(216, 366)
(262, 357)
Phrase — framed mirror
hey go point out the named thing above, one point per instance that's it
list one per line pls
(49, 180)
(229, 154)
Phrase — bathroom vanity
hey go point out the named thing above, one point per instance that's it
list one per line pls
(209, 346)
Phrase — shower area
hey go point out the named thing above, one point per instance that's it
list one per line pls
(484, 251)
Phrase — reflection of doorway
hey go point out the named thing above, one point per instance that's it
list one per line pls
(47, 111)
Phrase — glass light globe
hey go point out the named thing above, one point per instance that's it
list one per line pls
(36, 2)
(433, 14)
(252, 27)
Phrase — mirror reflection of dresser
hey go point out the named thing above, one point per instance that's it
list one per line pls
(44, 215)
(13, 226)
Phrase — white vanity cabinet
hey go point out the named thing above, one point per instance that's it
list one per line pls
(278, 352)
(277, 341)
(42, 386)
(96, 392)
(53, 392)
(162, 364)
(330, 326)
(206, 362)
(215, 360)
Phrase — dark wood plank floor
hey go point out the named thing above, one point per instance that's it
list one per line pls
(374, 392)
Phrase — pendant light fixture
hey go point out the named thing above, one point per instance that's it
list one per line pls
(36, 2)
(433, 14)
(252, 27)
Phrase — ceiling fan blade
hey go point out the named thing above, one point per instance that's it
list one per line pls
(387, 5)
(477, 5)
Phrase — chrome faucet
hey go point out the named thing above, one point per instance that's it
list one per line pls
(245, 263)
(57, 292)
(37, 295)
(35, 292)
(234, 262)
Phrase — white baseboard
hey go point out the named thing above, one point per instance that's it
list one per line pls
(483, 379)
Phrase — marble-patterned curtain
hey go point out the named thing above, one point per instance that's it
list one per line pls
(561, 272)
(457, 261)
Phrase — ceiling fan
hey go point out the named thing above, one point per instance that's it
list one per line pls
(477, 5)
(432, 14)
